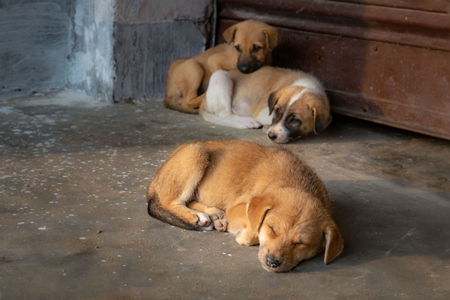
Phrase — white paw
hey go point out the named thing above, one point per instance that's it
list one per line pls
(203, 220)
(245, 122)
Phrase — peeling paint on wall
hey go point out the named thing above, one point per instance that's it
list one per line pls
(91, 61)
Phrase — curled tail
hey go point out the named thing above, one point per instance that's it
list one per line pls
(155, 210)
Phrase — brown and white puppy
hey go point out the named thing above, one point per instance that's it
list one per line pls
(248, 46)
(263, 195)
(290, 103)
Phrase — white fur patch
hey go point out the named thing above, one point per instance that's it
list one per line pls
(311, 83)
(219, 98)
(204, 219)
(297, 96)
(280, 131)
(263, 117)
(232, 121)
(219, 94)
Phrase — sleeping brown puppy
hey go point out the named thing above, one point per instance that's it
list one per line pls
(248, 47)
(289, 103)
(263, 195)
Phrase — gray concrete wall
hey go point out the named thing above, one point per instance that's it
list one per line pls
(34, 46)
(54, 44)
(111, 49)
(151, 34)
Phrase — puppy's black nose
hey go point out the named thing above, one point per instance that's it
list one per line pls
(244, 69)
(248, 67)
(272, 262)
(272, 135)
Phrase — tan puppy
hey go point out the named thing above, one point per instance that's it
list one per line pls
(292, 103)
(248, 46)
(263, 195)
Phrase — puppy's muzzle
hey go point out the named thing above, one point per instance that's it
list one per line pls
(272, 135)
(248, 67)
(272, 262)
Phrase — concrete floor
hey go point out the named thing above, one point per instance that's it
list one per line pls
(74, 225)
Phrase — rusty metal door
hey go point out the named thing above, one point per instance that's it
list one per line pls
(380, 60)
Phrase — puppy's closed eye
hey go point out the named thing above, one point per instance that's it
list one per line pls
(272, 230)
(292, 119)
(299, 243)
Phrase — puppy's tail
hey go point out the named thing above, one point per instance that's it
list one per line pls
(155, 210)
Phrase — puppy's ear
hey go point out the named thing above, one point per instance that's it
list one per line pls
(257, 209)
(272, 101)
(334, 242)
(229, 34)
(322, 118)
(272, 37)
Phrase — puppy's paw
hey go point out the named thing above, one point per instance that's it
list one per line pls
(203, 220)
(218, 218)
(243, 122)
(220, 223)
(246, 238)
(252, 123)
(249, 122)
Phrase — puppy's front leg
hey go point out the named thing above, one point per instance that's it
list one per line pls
(219, 98)
(239, 225)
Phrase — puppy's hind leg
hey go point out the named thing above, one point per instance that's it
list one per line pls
(174, 187)
(219, 98)
(219, 94)
(193, 76)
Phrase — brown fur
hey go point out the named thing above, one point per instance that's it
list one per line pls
(248, 46)
(262, 195)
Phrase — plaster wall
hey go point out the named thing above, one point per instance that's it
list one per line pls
(113, 50)
(91, 66)
(49, 45)
(34, 45)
